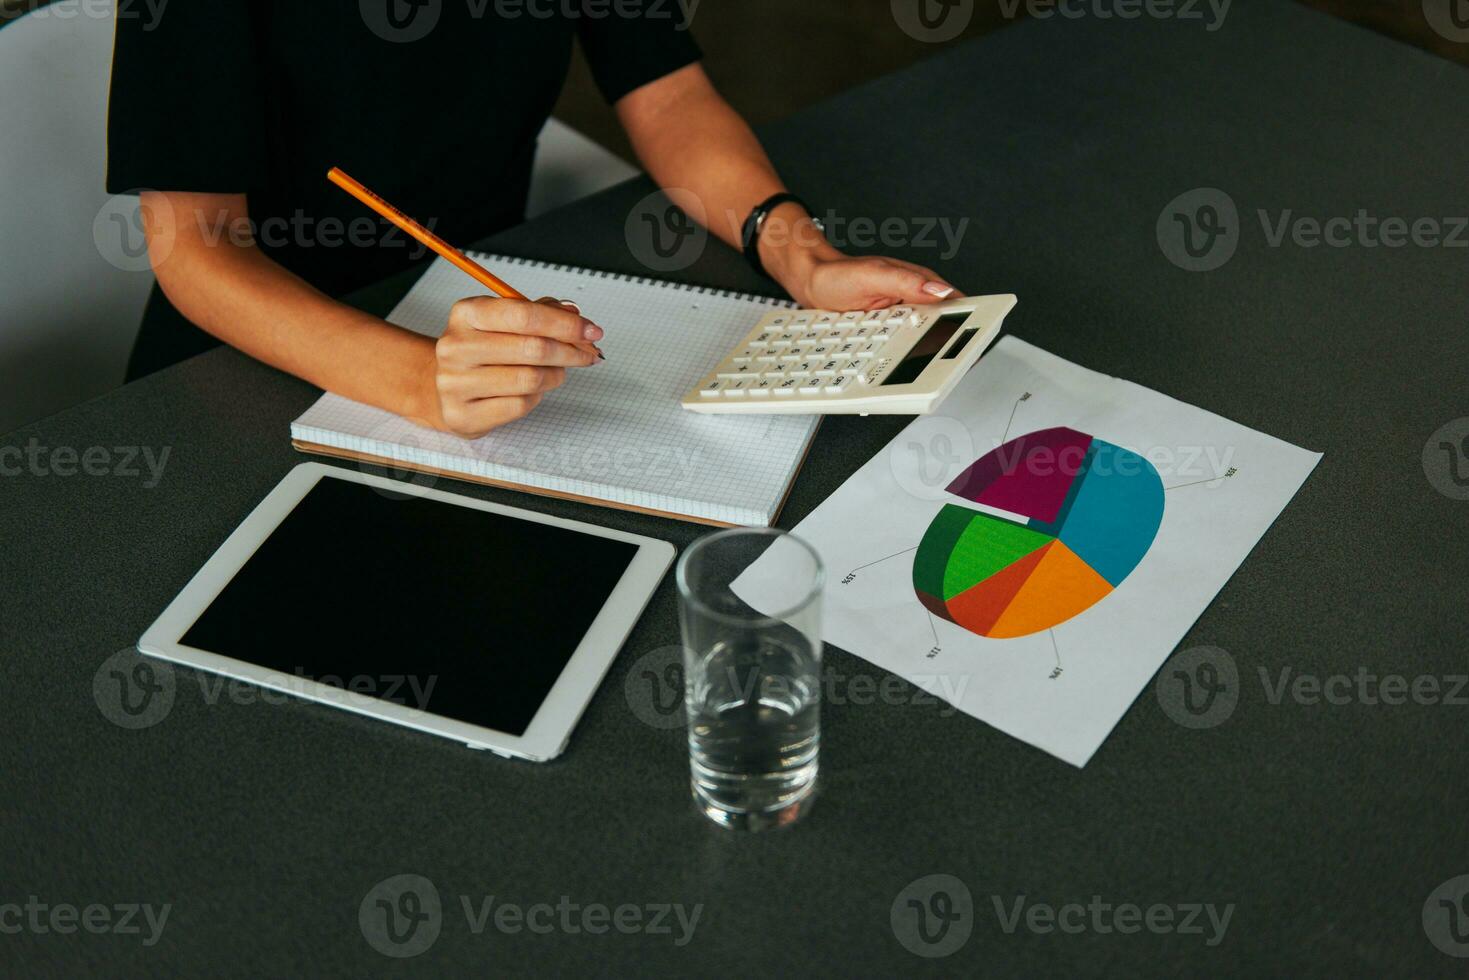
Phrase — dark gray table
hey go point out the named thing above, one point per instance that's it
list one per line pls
(264, 826)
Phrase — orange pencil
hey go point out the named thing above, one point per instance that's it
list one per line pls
(428, 239)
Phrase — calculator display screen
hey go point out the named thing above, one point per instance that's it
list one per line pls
(928, 346)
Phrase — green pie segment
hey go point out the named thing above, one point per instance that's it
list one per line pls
(964, 547)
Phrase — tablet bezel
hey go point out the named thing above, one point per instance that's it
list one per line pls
(549, 730)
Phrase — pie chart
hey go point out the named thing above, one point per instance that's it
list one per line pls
(1084, 513)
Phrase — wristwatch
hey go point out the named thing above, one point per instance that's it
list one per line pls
(755, 224)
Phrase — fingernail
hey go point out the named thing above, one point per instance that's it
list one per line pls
(592, 332)
(938, 289)
(571, 306)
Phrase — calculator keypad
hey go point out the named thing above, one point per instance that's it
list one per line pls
(808, 354)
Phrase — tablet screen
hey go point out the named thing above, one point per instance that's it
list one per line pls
(459, 612)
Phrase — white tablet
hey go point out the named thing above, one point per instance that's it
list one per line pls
(485, 624)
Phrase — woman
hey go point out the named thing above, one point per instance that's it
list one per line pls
(231, 113)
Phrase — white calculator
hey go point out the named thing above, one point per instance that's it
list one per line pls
(899, 361)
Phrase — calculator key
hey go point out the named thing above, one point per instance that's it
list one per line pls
(838, 384)
(767, 358)
(852, 367)
(804, 367)
(775, 375)
(876, 316)
(821, 350)
(813, 386)
(787, 386)
(849, 319)
(779, 321)
(828, 369)
(762, 339)
(801, 319)
(847, 350)
(823, 321)
(746, 355)
(861, 333)
(712, 389)
(901, 316)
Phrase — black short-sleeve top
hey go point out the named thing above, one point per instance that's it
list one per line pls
(434, 104)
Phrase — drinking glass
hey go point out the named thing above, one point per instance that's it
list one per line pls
(752, 684)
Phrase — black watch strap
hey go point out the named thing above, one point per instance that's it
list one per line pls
(755, 224)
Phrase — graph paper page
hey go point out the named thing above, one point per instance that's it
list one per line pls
(614, 431)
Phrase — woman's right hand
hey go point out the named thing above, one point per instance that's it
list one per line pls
(498, 357)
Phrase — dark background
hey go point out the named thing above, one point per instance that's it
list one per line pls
(772, 57)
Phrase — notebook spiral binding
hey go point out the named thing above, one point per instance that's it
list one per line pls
(493, 260)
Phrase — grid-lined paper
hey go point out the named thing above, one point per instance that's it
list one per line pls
(614, 431)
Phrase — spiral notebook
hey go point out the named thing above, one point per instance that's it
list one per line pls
(614, 434)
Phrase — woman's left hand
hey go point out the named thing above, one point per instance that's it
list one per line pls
(818, 277)
(843, 282)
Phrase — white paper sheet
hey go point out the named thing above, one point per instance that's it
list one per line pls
(1061, 688)
(614, 432)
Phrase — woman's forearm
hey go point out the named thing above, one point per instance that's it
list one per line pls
(235, 292)
(688, 137)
